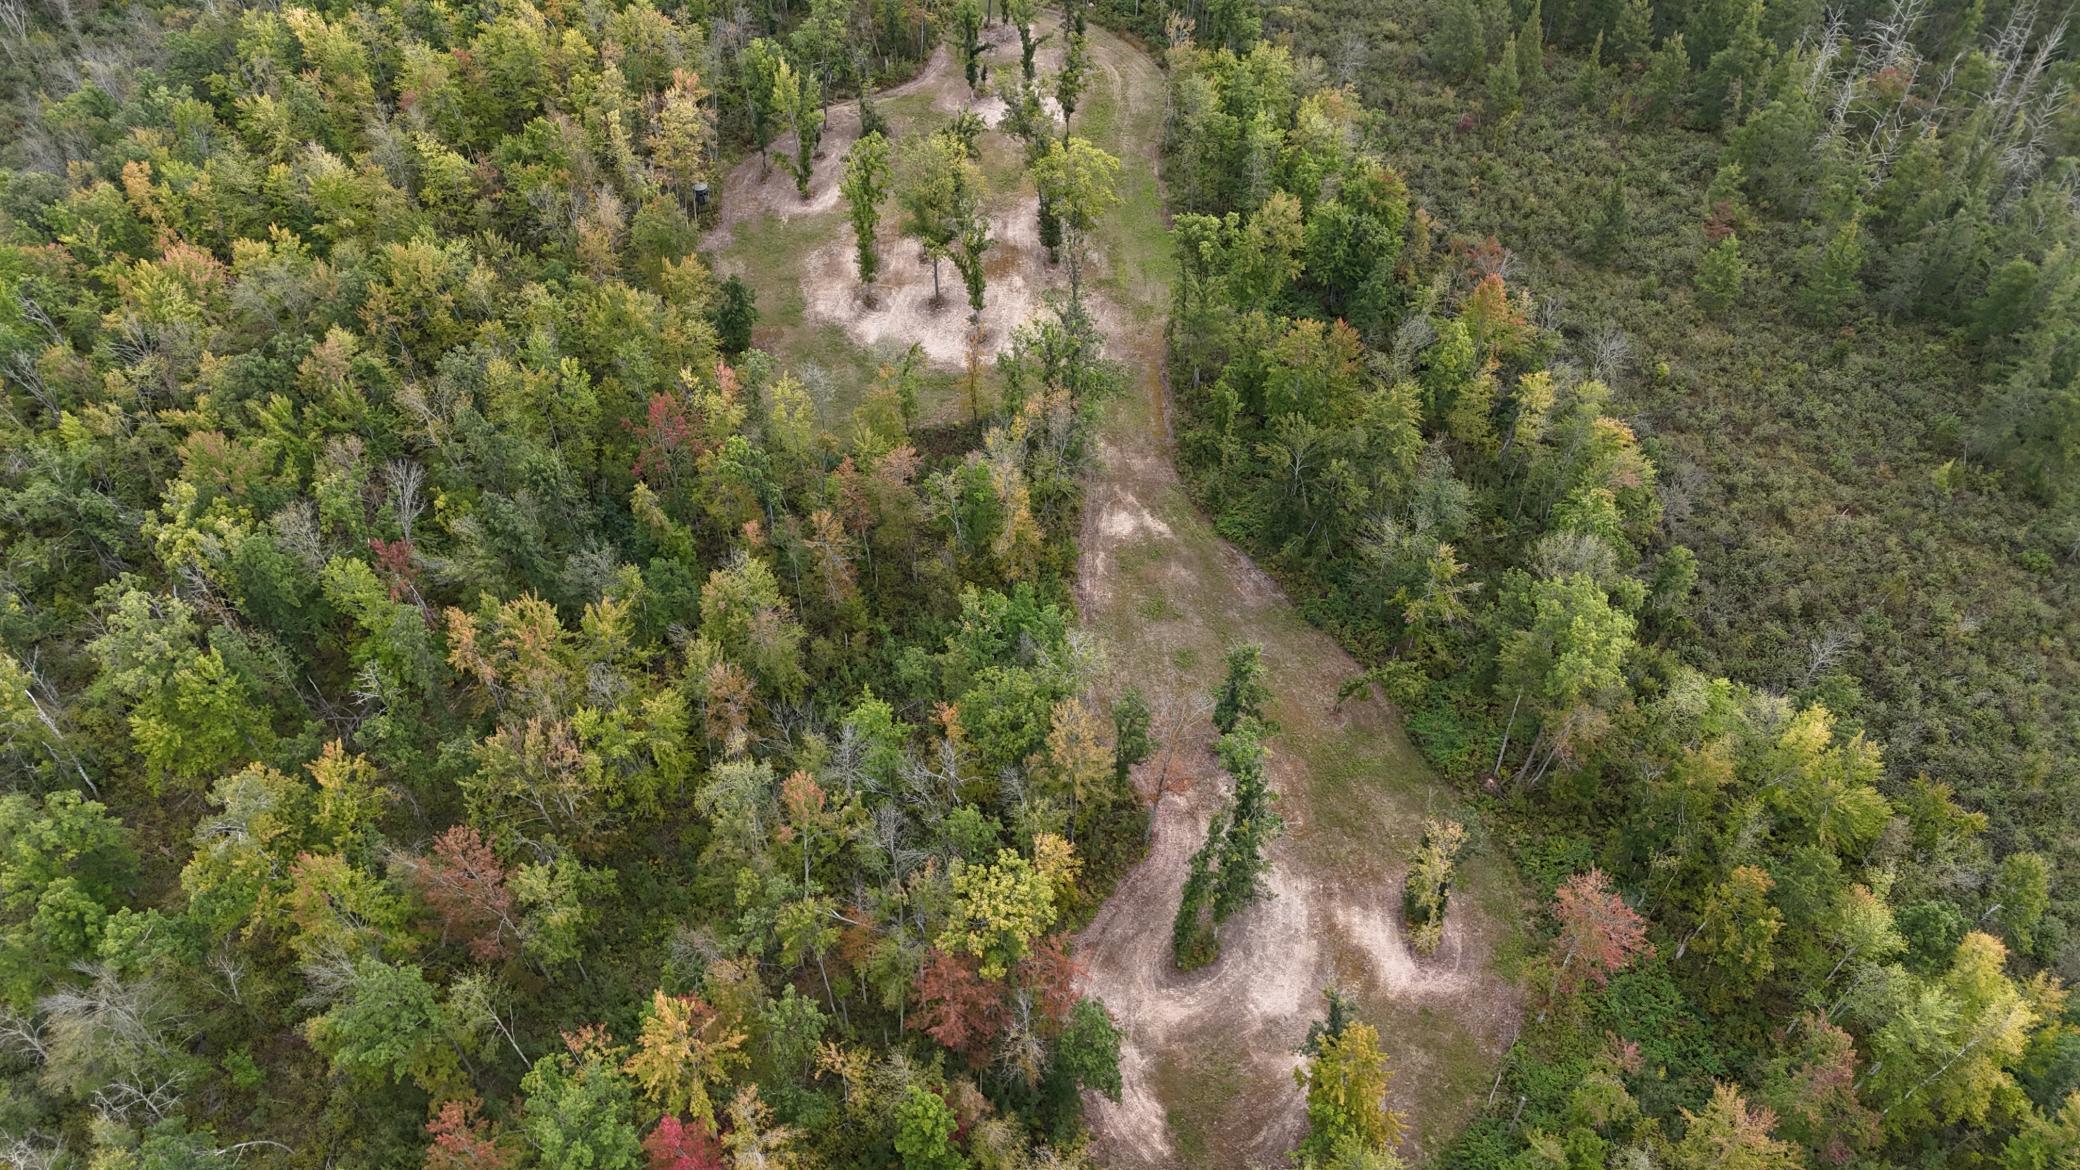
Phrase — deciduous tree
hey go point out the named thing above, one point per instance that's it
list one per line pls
(63, 859)
(684, 1050)
(924, 1131)
(1078, 184)
(1000, 909)
(864, 186)
(579, 1113)
(1599, 934)
(798, 106)
(1738, 934)
(387, 1024)
(674, 1145)
(464, 1141)
(464, 884)
(940, 190)
(1732, 1135)
(1346, 1086)
(1021, 14)
(964, 34)
(758, 69)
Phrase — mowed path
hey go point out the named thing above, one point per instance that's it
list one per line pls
(1207, 1058)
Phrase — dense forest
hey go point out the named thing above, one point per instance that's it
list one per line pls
(467, 703)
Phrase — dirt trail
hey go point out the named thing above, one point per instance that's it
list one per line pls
(1208, 1057)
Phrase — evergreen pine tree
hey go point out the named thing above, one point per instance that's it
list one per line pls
(1243, 692)
(1459, 42)
(1505, 85)
(1725, 200)
(1131, 742)
(1583, 21)
(1632, 34)
(1227, 872)
(1531, 48)
(1733, 80)
(1666, 86)
(1192, 941)
(1588, 80)
(1711, 27)
(870, 119)
(1965, 33)
(1719, 275)
(1612, 224)
(734, 315)
(1834, 276)
(1251, 824)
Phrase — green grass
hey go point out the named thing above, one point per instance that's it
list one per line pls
(839, 370)
(1136, 235)
(1197, 1087)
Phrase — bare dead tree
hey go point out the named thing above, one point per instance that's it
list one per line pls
(22, 1034)
(25, 1152)
(1827, 49)
(1610, 354)
(121, 1031)
(230, 972)
(1351, 57)
(1824, 650)
(405, 479)
(1415, 334)
(1549, 312)
(2008, 49)
(14, 28)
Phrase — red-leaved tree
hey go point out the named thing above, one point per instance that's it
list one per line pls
(1814, 1092)
(674, 1145)
(1049, 974)
(1599, 934)
(464, 884)
(958, 1007)
(464, 1141)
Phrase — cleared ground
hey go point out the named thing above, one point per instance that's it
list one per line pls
(815, 311)
(1208, 1057)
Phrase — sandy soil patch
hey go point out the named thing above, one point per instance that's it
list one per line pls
(901, 307)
